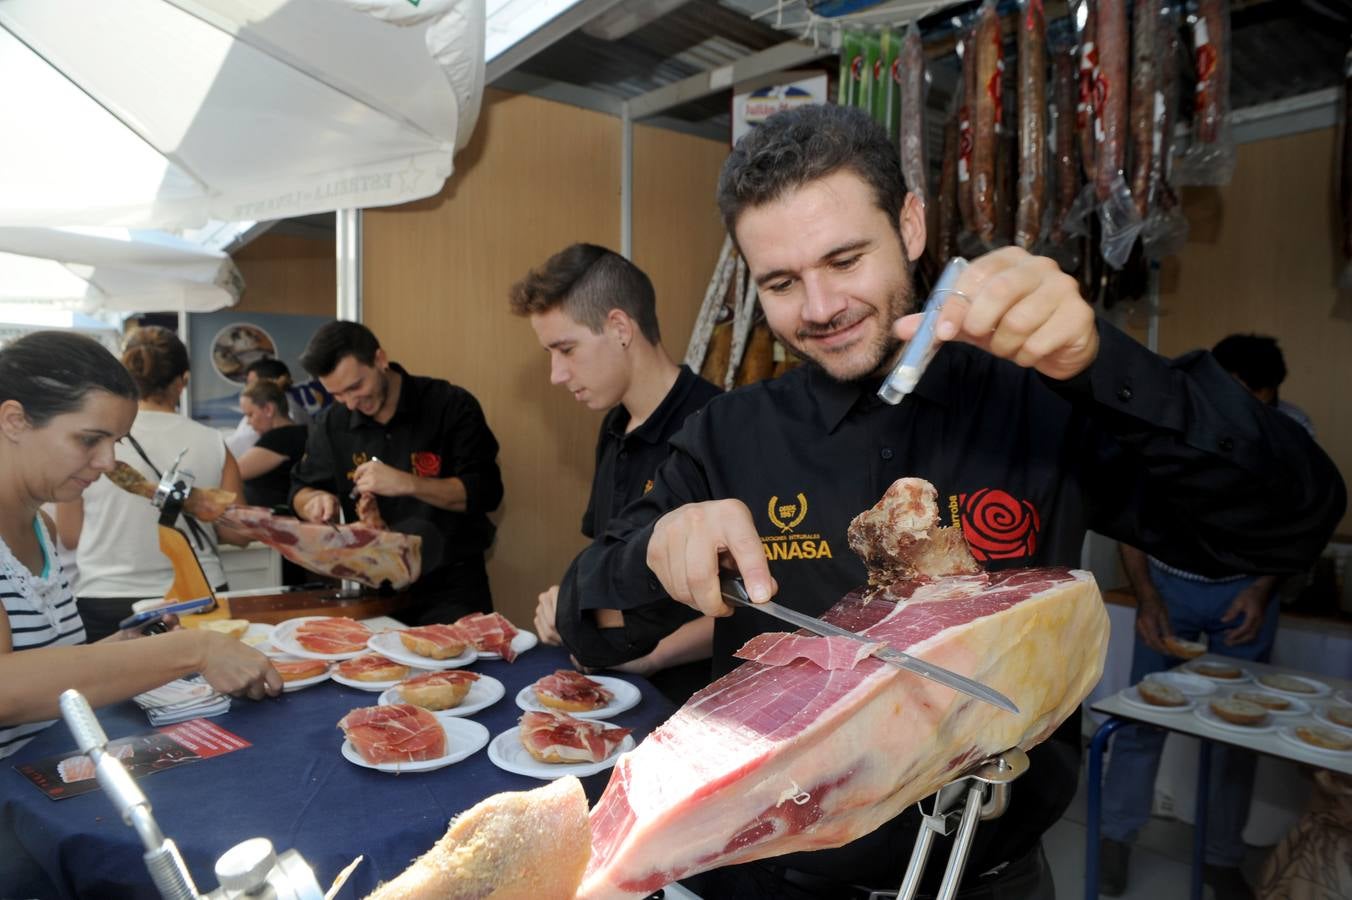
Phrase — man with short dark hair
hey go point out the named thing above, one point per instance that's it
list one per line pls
(595, 312)
(1035, 422)
(417, 450)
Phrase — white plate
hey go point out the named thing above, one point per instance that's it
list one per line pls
(1191, 685)
(1298, 707)
(626, 696)
(1243, 675)
(523, 641)
(1132, 697)
(463, 738)
(1344, 697)
(371, 685)
(507, 753)
(1204, 713)
(1322, 715)
(1320, 689)
(482, 694)
(387, 644)
(1288, 734)
(284, 639)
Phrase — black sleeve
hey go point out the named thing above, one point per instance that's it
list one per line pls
(470, 453)
(316, 468)
(613, 572)
(1186, 464)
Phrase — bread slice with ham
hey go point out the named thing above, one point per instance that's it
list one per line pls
(571, 692)
(489, 633)
(559, 738)
(435, 641)
(372, 667)
(400, 732)
(299, 669)
(437, 690)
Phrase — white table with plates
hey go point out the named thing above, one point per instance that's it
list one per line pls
(1122, 712)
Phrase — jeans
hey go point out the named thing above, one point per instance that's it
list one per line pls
(1195, 608)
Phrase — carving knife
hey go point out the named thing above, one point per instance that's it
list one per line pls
(735, 593)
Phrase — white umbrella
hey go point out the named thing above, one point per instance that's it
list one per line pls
(167, 113)
(109, 269)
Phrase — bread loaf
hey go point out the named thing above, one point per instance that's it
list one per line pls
(1182, 649)
(1239, 712)
(1323, 738)
(1157, 693)
(1265, 700)
(233, 627)
(1291, 685)
(1217, 670)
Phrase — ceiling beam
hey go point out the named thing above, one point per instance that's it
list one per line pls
(557, 28)
(773, 59)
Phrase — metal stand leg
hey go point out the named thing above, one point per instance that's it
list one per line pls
(947, 816)
(1201, 802)
(1095, 783)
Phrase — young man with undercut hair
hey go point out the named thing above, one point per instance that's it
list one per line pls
(595, 312)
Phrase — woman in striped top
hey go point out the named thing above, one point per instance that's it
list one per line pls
(64, 402)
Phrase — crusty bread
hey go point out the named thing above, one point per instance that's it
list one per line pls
(435, 697)
(1279, 682)
(359, 670)
(1324, 738)
(1340, 715)
(1239, 712)
(563, 705)
(430, 649)
(1263, 699)
(300, 669)
(1182, 649)
(1157, 693)
(233, 627)
(1217, 670)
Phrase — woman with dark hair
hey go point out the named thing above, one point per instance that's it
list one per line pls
(114, 533)
(266, 466)
(64, 403)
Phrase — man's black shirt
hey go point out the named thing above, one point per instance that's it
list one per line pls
(437, 431)
(1174, 457)
(626, 465)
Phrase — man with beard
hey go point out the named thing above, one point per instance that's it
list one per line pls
(409, 451)
(1035, 422)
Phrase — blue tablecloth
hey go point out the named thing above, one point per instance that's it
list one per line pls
(292, 786)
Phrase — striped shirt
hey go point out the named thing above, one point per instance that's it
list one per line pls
(41, 611)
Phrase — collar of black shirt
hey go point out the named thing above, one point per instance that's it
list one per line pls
(408, 403)
(655, 426)
(837, 398)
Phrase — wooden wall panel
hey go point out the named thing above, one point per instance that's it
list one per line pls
(1261, 257)
(677, 229)
(288, 274)
(536, 177)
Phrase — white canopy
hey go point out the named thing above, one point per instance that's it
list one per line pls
(167, 113)
(109, 269)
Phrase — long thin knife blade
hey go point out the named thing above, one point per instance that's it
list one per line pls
(735, 593)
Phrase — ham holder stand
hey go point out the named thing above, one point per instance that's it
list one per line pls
(250, 868)
(978, 796)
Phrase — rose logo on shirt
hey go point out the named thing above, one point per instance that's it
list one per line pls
(997, 525)
(426, 464)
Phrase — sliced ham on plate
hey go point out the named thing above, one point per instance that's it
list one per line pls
(335, 634)
(489, 633)
(435, 641)
(397, 733)
(558, 738)
(571, 691)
